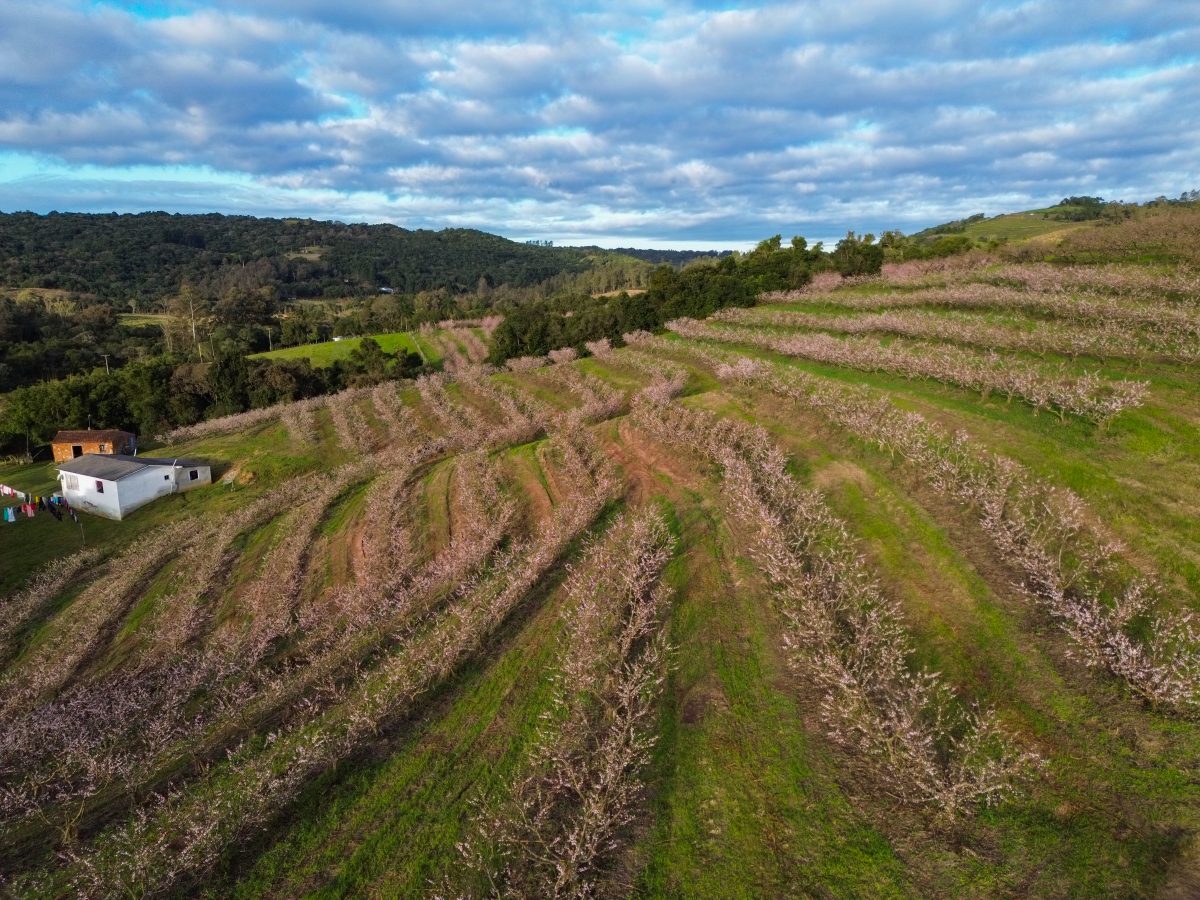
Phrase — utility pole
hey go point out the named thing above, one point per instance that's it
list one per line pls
(106, 369)
(270, 343)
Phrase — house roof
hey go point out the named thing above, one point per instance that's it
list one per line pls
(114, 468)
(99, 434)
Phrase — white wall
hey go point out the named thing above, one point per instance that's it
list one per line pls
(183, 477)
(141, 487)
(85, 496)
(120, 498)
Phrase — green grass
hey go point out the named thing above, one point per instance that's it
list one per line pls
(1020, 226)
(36, 478)
(311, 254)
(324, 354)
(1072, 832)
(388, 825)
(428, 349)
(739, 780)
(1141, 473)
(140, 320)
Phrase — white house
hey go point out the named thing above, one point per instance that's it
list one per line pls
(114, 486)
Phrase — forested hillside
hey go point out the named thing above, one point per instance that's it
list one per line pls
(143, 259)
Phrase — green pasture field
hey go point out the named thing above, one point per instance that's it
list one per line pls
(1035, 223)
(325, 353)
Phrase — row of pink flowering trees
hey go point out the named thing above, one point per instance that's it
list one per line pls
(1067, 567)
(579, 787)
(904, 725)
(1088, 396)
(1168, 327)
(1103, 338)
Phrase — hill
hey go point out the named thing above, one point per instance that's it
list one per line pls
(1031, 223)
(145, 257)
(879, 587)
(664, 257)
(1159, 230)
(1021, 226)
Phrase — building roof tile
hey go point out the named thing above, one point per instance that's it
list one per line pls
(98, 434)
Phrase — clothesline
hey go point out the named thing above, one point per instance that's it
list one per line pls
(6, 491)
(56, 506)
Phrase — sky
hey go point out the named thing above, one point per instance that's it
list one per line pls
(623, 123)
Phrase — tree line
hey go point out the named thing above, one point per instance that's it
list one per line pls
(54, 336)
(153, 396)
(695, 291)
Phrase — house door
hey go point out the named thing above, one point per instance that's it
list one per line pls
(76, 451)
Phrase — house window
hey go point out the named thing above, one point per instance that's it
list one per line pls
(99, 486)
(76, 451)
(102, 448)
(193, 475)
(71, 482)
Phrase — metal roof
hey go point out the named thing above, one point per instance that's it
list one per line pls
(116, 467)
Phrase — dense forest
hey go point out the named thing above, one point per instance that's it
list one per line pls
(47, 337)
(202, 372)
(155, 395)
(138, 261)
(80, 292)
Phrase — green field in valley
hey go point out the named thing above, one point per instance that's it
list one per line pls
(324, 353)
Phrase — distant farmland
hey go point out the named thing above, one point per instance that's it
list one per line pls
(325, 353)
(1021, 226)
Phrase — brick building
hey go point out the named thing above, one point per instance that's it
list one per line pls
(69, 445)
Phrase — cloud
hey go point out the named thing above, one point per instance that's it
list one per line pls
(668, 122)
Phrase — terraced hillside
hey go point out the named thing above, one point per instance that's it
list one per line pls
(884, 588)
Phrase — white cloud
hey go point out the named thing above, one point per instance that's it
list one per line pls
(619, 119)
